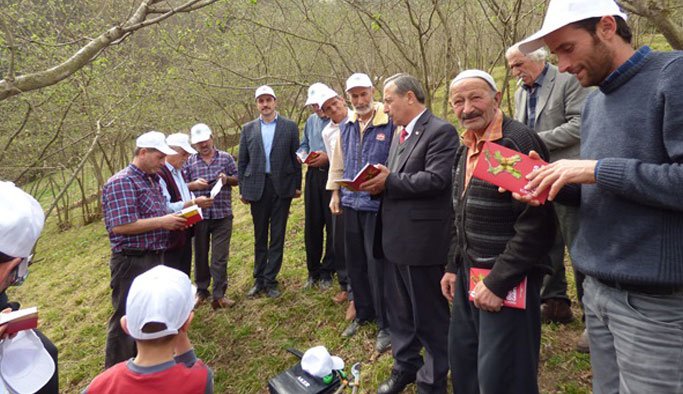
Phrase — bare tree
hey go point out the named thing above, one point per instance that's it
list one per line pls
(665, 15)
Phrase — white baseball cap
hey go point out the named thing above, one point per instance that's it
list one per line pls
(265, 89)
(564, 12)
(25, 364)
(318, 362)
(155, 140)
(473, 73)
(159, 295)
(181, 140)
(358, 80)
(314, 91)
(326, 95)
(200, 133)
(22, 221)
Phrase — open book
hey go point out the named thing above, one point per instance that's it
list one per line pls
(20, 320)
(307, 157)
(193, 214)
(516, 298)
(369, 171)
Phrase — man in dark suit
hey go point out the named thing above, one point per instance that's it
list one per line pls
(415, 222)
(269, 176)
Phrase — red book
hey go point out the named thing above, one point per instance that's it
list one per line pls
(23, 319)
(369, 171)
(507, 168)
(307, 157)
(516, 298)
(193, 214)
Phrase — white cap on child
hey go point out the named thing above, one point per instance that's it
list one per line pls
(160, 295)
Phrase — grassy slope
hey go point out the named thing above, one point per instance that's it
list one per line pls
(244, 345)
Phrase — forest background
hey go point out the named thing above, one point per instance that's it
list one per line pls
(82, 79)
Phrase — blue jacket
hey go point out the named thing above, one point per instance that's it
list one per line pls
(373, 149)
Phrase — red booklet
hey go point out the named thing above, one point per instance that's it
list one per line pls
(307, 157)
(23, 319)
(369, 171)
(516, 298)
(193, 214)
(507, 168)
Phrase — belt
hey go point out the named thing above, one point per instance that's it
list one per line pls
(645, 289)
(140, 252)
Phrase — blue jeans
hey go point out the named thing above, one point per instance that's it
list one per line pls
(636, 340)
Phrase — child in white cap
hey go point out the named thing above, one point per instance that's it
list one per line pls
(158, 315)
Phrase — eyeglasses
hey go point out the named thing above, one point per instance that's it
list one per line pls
(20, 272)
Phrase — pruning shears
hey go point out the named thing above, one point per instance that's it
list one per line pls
(355, 371)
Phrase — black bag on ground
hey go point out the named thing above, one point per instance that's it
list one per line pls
(297, 381)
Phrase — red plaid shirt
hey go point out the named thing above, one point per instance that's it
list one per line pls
(129, 195)
(195, 167)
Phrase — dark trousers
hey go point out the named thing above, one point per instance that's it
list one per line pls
(494, 352)
(318, 218)
(181, 258)
(272, 212)
(52, 385)
(366, 273)
(555, 285)
(120, 346)
(418, 317)
(339, 253)
(216, 233)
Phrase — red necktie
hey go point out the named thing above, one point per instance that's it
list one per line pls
(404, 134)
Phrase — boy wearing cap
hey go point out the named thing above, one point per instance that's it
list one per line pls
(136, 219)
(178, 196)
(269, 177)
(158, 316)
(22, 223)
(316, 197)
(201, 171)
(628, 185)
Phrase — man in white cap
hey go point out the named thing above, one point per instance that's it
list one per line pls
(493, 349)
(550, 102)
(269, 177)
(363, 139)
(21, 225)
(318, 220)
(629, 184)
(135, 215)
(178, 196)
(202, 170)
(158, 316)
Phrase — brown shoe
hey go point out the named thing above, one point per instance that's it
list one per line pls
(340, 297)
(199, 299)
(582, 344)
(222, 303)
(556, 310)
(350, 312)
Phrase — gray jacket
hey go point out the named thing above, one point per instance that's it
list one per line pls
(558, 113)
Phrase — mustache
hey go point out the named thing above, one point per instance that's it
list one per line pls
(473, 114)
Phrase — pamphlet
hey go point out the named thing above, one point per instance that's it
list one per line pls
(368, 172)
(507, 168)
(306, 158)
(193, 214)
(217, 188)
(516, 298)
(20, 320)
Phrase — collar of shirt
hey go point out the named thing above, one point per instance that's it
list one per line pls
(474, 143)
(263, 122)
(137, 171)
(538, 82)
(636, 58)
(410, 126)
(380, 117)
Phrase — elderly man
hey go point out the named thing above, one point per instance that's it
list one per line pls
(550, 102)
(364, 138)
(270, 176)
(202, 170)
(136, 219)
(493, 349)
(178, 196)
(629, 184)
(415, 188)
(316, 197)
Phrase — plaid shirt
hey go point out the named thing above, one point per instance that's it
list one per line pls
(221, 162)
(130, 195)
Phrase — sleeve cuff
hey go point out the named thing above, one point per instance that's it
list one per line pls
(609, 173)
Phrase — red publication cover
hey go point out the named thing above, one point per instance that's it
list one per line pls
(193, 215)
(307, 157)
(516, 298)
(23, 319)
(507, 168)
(369, 171)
